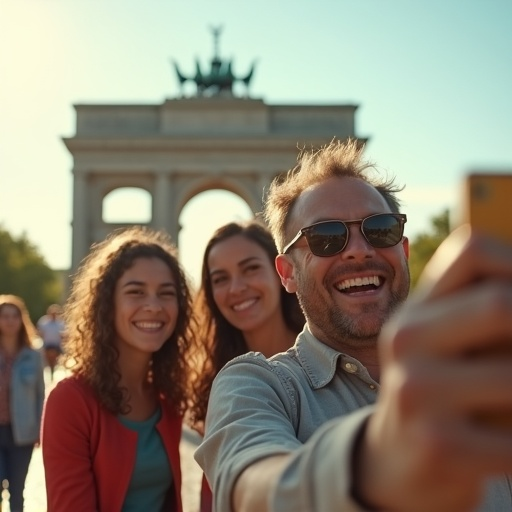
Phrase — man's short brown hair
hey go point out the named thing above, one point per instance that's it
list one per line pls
(334, 160)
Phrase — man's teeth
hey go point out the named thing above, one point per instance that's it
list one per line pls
(359, 281)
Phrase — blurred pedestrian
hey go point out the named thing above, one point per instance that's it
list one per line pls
(21, 396)
(51, 330)
(241, 307)
(111, 431)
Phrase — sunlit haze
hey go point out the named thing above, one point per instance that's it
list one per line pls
(432, 81)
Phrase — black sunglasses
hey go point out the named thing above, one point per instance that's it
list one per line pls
(330, 237)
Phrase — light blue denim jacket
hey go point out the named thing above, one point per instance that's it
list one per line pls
(27, 396)
(311, 401)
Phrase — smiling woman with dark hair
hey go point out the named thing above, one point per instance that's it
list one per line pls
(241, 306)
(111, 431)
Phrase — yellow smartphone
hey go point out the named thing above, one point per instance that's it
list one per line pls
(488, 204)
(488, 208)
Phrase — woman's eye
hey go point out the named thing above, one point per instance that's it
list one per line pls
(219, 280)
(134, 291)
(252, 268)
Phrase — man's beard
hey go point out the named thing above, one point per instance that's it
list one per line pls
(343, 328)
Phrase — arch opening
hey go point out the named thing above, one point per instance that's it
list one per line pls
(127, 205)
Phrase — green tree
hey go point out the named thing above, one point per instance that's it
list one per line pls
(424, 245)
(24, 272)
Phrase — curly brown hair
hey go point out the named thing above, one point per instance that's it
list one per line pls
(334, 160)
(218, 340)
(28, 333)
(89, 346)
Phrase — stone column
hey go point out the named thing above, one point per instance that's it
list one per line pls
(173, 211)
(81, 221)
(163, 209)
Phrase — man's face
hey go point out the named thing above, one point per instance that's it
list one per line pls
(343, 305)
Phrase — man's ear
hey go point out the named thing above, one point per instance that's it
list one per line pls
(286, 271)
(405, 245)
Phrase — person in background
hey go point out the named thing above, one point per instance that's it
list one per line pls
(241, 306)
(21, 396)
(111, 431)
(51, 329)
(382, 403)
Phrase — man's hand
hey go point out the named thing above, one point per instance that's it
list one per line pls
(423, 449)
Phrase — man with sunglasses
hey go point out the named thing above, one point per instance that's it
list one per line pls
(338, 423)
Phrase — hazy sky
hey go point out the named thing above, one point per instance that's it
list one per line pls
(433, 82)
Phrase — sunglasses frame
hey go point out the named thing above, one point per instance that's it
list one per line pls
(401, 217)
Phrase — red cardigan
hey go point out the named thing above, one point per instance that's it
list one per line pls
(89, 455)
(206, 496)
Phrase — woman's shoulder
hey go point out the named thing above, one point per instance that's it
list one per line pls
(29, 356)
(72, 387)
(71, 397)
(30, 353)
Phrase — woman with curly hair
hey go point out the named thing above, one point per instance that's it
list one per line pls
(241, 306)
(21, 396)
(111, 431)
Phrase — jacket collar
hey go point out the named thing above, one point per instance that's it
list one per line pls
(318, 360)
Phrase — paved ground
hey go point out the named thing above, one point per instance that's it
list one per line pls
(35, 493)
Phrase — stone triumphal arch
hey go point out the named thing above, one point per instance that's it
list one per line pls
(175, 150)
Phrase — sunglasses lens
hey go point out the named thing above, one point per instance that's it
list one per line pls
(382, 230)
(327, 238)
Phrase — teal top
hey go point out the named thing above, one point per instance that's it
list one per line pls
(151, 477)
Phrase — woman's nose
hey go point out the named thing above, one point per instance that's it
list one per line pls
(153, 304)
(237, 284)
